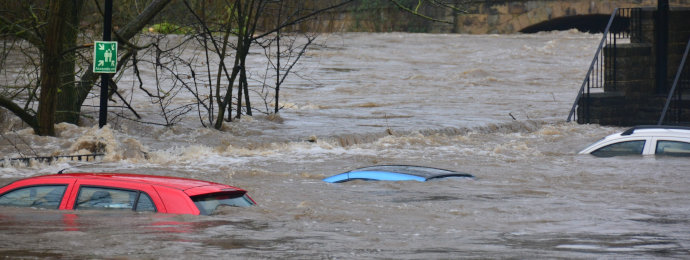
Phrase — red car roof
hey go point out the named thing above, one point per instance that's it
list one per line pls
(172, 182)
(169, 194)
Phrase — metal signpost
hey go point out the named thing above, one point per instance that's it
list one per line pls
(105, 61)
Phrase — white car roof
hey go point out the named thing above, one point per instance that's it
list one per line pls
(656, 130)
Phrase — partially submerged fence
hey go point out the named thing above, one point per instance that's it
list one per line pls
(49, 159)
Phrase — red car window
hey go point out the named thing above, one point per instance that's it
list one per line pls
(111, 198)
(41, 196)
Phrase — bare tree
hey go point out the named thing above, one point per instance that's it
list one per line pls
(283, 51)
(244, 21)
(52, 29)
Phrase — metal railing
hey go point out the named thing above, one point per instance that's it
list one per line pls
(681, 83)
(624, 23)
(49, 159)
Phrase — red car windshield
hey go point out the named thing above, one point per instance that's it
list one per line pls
(209, 203)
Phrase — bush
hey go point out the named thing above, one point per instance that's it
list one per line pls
(169, 28)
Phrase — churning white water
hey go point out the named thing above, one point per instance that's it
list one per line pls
(491, 105)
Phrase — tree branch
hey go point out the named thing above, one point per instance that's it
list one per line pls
(415, 12)
(112, 83)
(20, 31)
(301, 19)
(451, 7)
(135, 26)
(18, 111)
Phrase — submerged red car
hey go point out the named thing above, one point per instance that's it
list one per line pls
(121, 191)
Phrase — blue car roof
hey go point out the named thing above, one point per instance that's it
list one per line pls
(395, 173)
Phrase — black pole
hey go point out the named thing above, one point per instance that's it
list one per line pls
(105, 77)
(661, 29)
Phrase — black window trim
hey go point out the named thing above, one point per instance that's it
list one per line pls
(136, 200)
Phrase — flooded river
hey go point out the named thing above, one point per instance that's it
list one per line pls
(490, 105)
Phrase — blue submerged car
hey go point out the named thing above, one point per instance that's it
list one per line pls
(395, 173)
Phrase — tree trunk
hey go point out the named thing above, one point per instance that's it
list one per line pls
(69, 107)
(226, 101)
(247, 103)
(50, 68)
(277, 94)
(240, 88)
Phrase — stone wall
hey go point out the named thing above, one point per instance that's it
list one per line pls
(482, 17)
(513, 16)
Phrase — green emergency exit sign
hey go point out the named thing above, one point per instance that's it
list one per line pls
(104, 57)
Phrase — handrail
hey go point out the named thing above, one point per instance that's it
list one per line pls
(675, 83)
(591, 67)
(50, 159)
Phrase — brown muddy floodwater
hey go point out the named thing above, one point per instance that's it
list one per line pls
(427, 99)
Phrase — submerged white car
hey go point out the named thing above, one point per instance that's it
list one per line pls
(644, 140)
